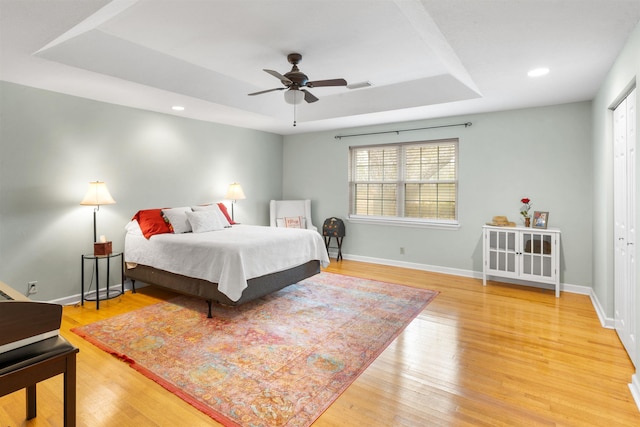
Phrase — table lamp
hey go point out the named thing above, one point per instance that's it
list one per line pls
(98, 194)
(234, 193)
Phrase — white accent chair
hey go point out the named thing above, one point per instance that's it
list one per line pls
(280, 209)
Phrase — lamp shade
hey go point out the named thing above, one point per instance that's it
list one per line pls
(235, 192)
(97, 195)
(294, 96)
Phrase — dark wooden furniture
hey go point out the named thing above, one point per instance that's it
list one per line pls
(334, 227)
(31, 350)
(257, 287)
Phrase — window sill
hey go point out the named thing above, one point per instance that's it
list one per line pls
(404, 222)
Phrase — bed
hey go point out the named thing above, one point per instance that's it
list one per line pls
(229, 264)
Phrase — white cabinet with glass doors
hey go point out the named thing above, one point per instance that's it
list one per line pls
(522, 253)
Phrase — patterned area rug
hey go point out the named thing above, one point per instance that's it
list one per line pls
(278, 361)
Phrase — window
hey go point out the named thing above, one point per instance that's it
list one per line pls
(413, 182)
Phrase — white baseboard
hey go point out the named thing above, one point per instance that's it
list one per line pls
(606, 322)
(412, 265)
(564, 287)
(635, 389)
(609, 323)
(75, 299)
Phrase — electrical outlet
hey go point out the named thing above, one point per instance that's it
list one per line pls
(33, 287)
(401, 251)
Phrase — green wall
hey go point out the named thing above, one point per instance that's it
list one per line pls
(52, 145)
(541, 153)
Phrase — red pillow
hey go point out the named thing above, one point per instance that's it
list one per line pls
(223, 209)
(151, 221)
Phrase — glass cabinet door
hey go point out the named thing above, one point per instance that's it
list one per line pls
(502, 251)
(537, 259)
(529, 254)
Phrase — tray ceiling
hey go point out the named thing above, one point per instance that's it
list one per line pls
(423, 59)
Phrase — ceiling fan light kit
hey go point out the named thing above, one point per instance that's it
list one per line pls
(294, 96)
(295, 80)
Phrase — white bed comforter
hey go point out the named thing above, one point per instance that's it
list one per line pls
(230, 256)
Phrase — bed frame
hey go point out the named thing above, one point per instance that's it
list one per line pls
(257, 287)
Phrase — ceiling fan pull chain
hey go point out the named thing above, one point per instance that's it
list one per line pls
(294, 115)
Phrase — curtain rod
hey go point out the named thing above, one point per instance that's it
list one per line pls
(467, 124)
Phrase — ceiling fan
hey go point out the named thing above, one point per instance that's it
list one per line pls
(295, 80)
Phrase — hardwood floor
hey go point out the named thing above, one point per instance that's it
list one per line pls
(500, 355)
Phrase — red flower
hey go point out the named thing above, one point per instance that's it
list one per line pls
(526, 205)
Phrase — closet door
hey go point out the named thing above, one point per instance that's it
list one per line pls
(624, 222)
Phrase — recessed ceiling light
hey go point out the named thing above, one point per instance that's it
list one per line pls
(537, 72)
(177, 108)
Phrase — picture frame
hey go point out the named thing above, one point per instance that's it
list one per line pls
(540, 219)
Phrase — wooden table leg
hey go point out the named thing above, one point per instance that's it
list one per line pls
(31, 401)
(70, 392)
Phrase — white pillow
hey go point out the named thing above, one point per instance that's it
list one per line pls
(282, 222)
(204, 207)
(293, 222)
(177, 217)
(133, 228)
(205, 220)
(214, 208)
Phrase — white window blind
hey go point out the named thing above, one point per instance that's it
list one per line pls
(412, 181)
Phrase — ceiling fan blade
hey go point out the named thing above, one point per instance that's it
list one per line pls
(332, 82)
(265, 91)
(309, 97)
(279, 76)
